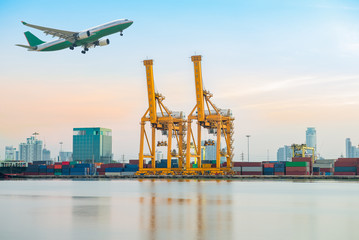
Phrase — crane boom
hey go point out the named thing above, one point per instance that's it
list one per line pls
(199, 86)
(151, 90)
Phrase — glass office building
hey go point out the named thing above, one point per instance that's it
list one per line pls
(92, 145)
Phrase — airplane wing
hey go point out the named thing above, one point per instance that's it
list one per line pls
(69, 36)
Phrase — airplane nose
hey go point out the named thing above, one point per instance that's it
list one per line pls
(130, 23)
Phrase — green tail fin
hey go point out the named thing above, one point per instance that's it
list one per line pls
(32, 39)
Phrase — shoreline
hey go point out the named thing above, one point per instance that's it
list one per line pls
(219, 177)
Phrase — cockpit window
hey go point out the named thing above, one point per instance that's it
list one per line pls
(126, 19)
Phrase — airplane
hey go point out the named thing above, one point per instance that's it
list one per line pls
(86, 38)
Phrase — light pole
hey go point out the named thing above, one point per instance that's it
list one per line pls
(248, 144)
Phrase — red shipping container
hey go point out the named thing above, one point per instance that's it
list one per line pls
(251, 173)
(316, 173)
(345, 173)
(58, 163)
(297, 173)
(58, 167)
(50, 166)
(268, 165)
(348, 160)
(279, 173)
(345, 164)
(66, 163)
(134, 162)
(42, 174)
(301, 159)
(247, 164)
(49, 174)
(326, 169)
(101, 173)
(296, 168)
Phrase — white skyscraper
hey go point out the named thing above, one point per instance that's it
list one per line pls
(10, 152)
(284, 154)
(311, 137)
(31, 150)
(348, 148)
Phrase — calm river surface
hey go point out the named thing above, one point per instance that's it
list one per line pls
(173, 209)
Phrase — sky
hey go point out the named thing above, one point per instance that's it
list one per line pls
(281, 66)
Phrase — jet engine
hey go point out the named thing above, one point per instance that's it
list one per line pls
(103, 42)
(83, 35)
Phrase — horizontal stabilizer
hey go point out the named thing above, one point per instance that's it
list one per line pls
(28, 47)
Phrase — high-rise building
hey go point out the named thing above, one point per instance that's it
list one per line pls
(10, 153)
(284, 154)
(65, 156)
(92, 144)
(311, 138)
(46, 155)
(31, 150)
(348, 148)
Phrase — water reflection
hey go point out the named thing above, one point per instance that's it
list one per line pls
(190, 211)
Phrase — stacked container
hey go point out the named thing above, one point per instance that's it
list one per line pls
(42, 170)
(268, 168)
(297, 168)
(309, 160)
(58, 169)
(346, 166)
(279, 168)
(236, 168)
(326, 166)
(251, 168)
(50, 169)
(32, 170)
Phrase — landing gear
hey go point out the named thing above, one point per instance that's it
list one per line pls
(121, 34)
(85, 50)
(72, 48)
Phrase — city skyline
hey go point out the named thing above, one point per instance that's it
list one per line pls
(280, 67)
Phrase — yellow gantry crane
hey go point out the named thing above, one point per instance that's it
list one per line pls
(171, 124)
(215, 120)
(300, 150)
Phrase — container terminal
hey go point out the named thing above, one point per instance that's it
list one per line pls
(184, 140)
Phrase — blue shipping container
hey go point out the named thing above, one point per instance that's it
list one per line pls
(345, 169)
(114, 169)
(130, 169)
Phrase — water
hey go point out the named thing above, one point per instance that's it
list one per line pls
(191, 209)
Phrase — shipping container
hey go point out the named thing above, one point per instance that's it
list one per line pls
(251, 173)
(344, 173)
(291, 172)
(345, 164)
(345, 169)
(297, 164)
(247, 164)
(252, 169)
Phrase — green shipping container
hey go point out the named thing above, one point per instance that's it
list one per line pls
(58, 173)
(194, 165)
(297, 164)
(73, 162)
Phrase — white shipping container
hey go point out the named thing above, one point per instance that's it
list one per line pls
(323, 165)
(127, 173)
(251, 169)
(236, 169)
(113, 173)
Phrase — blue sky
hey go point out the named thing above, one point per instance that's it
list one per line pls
(281, 66)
